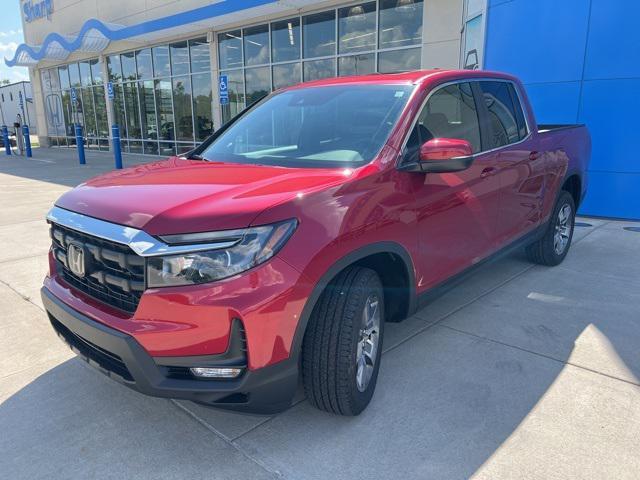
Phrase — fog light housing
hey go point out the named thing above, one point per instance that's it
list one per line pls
(216, 372)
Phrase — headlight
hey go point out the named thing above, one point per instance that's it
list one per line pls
(240, 250)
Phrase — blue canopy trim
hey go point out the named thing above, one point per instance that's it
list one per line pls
(96, 35)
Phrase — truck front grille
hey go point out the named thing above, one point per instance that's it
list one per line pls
(114, 274)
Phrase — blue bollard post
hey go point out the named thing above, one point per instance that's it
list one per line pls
(117, 151)
(80, 144)
(27, 140)
(5, 139)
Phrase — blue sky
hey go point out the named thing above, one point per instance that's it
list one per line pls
(10, 37)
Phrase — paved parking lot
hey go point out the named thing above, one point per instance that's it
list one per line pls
(520, 372)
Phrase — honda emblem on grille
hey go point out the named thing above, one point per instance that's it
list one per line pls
(75, 260)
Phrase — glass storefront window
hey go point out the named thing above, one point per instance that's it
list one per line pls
(89, 113)
(400, 23)
(148, 110)
(357, 28)
(399, 60)
(286, 74)
(257, 83)
(200, 58)
(179, 58)
(144, 63)
(132, 111)
(67, 112)
(362, 64)
(285, 40)
(85, 73)
(165, 110)
(202, 98)
(63, 75)
(74, 74)
(319, 34)
(161, 67)
(256, 45)
(318, 69)
(118, 108)
(114, 69)
(236, 94)
(96, 71)
(128, 66)
(230, 49)
(182, 105)
(102, 125)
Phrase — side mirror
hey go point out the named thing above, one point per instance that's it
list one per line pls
(444, 155)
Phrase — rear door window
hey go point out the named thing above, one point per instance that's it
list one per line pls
(503, 116)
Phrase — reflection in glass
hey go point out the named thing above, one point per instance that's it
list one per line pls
(236, 94)
(182, 108)
(319, 34)
(472, 43)
(258, 83)
(164, 109)
(400, 23)
(318, 69)
(96, 71)
(150, 148)
(145, 66)
(179, 58)
(133, 113)
(285, 75)
(74, 74)
(67, 111)
(285, 40)
(118, 109)
(200, 58)
(357, 28)
(167, 148)
(135, 147)
(256, 45)
(128, 65)
(63, 73)
(102, 126)
(202, 98)
(89, 113)
(230, 49)
(161, 66)
(148, 109)
(85, 73)
(356, 64)
(114, 69)
(399, 60)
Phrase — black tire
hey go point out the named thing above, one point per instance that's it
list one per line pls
(543, 251)
(332, 339)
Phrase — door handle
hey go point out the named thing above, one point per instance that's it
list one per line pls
(487, 172)
(534, 156)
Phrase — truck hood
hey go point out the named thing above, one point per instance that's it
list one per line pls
(181, 196)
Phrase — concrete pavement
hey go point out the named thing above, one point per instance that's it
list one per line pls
(519, 372)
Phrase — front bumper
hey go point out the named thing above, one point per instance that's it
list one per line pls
(119, 356)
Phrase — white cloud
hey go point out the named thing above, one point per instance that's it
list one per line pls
(8, 48)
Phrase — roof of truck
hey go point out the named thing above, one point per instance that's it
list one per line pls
(413, 77)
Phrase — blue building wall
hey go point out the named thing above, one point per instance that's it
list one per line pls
(580, 62)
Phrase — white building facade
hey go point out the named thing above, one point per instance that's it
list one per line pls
(164, 59)
(16, 105)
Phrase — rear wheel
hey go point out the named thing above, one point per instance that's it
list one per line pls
(553, 247)
(343, 343)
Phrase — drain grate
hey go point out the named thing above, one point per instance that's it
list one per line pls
(632, 229)
(583, 224)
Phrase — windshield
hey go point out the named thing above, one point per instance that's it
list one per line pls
(332, 126)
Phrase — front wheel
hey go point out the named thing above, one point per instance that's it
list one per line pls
(343, 343)
(553, 247)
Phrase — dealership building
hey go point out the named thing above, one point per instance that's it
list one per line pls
(154, 67)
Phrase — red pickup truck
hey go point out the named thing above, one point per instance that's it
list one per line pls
(277, 250)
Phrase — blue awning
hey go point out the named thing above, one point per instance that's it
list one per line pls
(95, 35)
